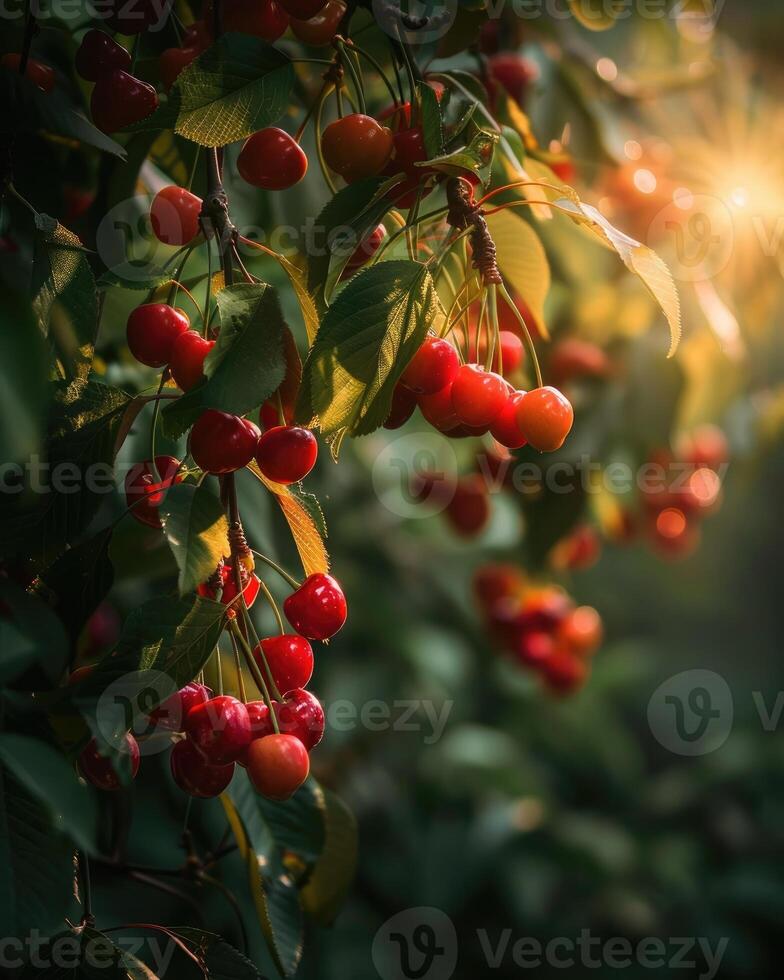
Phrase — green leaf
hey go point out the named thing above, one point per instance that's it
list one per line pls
(638, 258)
(118, 277)
(79, 580)
(273, 888)
(221, 960)
(84, 424)
(238, 86)
(343, 223)
(195, 525)
(29, 632)
(247, 363)
(368, 336)
(36, 870)
(330, 880)
(64, 297)
(51, 779)
(476, 157)
(297, 826)
(523, 261)
(23, 387)
(432, 122)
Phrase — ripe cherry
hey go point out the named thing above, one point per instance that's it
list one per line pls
(496, 581)
(170, 714)
(401, 114)
(512, 352)
(438, 409)
(303, 9)
(173, 61)
(194, 775)
(545, 417)
(706, 447)
(409, 149)
(317, 609)
(478, 396)
(514, 73)
(119, 100)
(263, 18)
(320, 29)
(289, 658)
(433, 367)
(228, 587)
(581, 631)
(98, 770)
(506, 428)
(277, 766)
(219, 728)
(287, 453)
(272, 160)
(223, 443)
(301, 715)
(144, 493)
(174, 215)
(581, 549)
(37, 72)
(563, 672)
(364, 252)
(99, 54)
(356, 146)
(534, 647)
(187, 359)
(197, 35)
(152, 330)
(403, 404)
(469, 509)
(574, 358)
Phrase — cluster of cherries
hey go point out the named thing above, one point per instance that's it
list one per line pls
(541, 628)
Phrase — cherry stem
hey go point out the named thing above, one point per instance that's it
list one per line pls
(377, 65)
(274, 607)
(86, 889)
(218, 669)
(347, 59)
(258, 677)
(526, 334)
(238, 668)
(257, 643)
(154, 425)
(319, 151)
(281, 571)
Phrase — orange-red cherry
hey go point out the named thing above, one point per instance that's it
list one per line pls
(545, 417)
(356, 146)
(277, 765)
(478, 396)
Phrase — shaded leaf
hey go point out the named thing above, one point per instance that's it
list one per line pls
(23, 376)
(195, 525)
(221, 960)
(328, 884)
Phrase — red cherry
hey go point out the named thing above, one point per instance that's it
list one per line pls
(534, 648)
(302, 716)
(579, 550)
(229, 587)
(152, 330)
(564, 673)
(573, 358)
(320, 29)
(496, 581)
(303, 9)
(317, 609)
(364, 252)
(97, 769)
(478, 396)
(356, 146)
(433, 367)
(144, 493)
(512, 352)
(277, 766)
(287, 453)
(219, 728)
(469, 509)
(545, 418)
(409, 150)
(289, 658)
(41, 75)
(403, 404)
(223, 443)
(263, 18)
(174, 215)
(506, 428)
(514, 72)
(136, 17)
(260, 719)
(705, 448)
(401, 114)
(173, 61)
(272, 160)
(544, 610)
(187, 359)
(581, 631)
(170, 714)
(119, 100)
(99, 54)
(438, 409)
(193, 774)
(197, 35)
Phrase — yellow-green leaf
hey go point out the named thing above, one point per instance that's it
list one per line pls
(523, 262)
(327, 886)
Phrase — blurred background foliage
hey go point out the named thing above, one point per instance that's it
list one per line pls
(541, 815)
